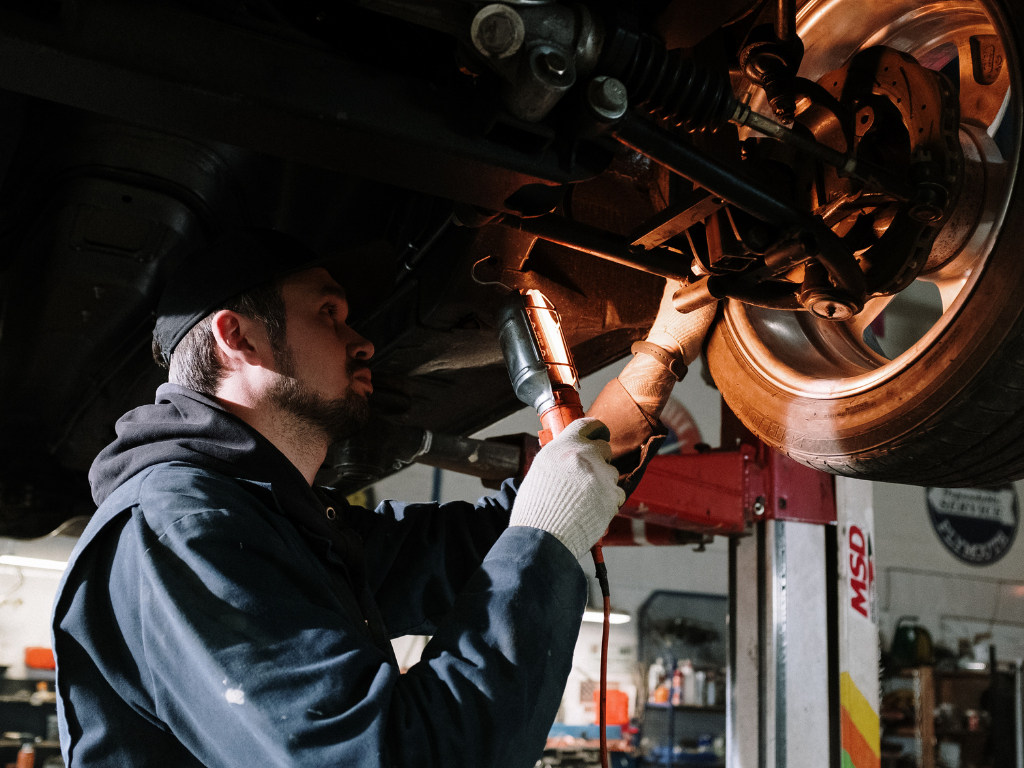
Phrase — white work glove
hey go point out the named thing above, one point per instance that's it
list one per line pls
(570, 490)
(678, 333)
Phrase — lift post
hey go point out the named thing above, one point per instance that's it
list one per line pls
(803, 637)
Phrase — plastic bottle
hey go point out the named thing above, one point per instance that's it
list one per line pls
(711, 695)
(26, 756)
(662, 693)
(677, 686)
(700, 678)
(654, 677)
(689, 683)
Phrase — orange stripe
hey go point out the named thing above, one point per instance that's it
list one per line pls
(861, 712)
(861, 754)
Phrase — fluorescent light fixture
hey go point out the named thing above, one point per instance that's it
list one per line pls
(598, 616)
(33, 562)
(975, 665)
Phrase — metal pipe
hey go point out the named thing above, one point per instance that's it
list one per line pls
(477, 458)
(598, 242)
(785, 20)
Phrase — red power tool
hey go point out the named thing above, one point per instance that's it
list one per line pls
(543, 376)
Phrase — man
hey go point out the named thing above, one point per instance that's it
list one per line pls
(220, 610)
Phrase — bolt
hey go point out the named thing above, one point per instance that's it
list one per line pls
(495, 34)
(608, 97)
(497, 31)
(759, 506)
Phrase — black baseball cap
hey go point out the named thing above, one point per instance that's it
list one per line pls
(240, 259)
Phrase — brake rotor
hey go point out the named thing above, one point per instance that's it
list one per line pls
(886, 108)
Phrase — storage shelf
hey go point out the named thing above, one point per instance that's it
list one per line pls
(687, 708)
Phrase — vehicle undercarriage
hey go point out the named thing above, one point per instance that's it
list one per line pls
(802, 163)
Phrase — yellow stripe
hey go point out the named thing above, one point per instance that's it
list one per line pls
(863, 716)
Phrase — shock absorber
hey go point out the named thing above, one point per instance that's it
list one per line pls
(680, 91)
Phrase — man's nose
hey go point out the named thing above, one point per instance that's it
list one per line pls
(360, 348)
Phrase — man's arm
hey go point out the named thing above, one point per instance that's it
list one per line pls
(420, 556)
(248, 660)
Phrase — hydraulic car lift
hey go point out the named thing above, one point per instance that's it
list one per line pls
(803, 638)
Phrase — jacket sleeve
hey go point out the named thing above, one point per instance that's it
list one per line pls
(420, 556)
(252, 662)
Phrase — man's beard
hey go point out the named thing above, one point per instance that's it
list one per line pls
(336, 418)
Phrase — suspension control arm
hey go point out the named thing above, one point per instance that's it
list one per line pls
(601, 243)
(665, 149)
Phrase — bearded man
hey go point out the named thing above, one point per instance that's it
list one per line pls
(222, 610)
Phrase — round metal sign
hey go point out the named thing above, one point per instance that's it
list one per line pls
(977, 525)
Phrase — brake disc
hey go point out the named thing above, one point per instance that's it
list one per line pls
(899, 115)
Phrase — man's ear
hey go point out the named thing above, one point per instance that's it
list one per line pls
(240, 340)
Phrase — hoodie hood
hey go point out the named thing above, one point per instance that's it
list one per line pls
(186, 426)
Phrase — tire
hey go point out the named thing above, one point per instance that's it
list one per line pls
(950, 410)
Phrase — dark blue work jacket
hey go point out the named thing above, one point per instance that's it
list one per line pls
(220, 612)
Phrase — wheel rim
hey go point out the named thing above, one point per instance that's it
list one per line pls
(814, 358)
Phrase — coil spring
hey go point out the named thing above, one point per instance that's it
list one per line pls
(671, 87)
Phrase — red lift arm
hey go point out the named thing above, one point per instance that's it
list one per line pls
(720, 493)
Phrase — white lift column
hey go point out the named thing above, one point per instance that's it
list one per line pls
(803, 667)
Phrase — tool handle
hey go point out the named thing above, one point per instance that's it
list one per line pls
(566, 410)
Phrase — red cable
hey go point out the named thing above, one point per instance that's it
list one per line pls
(604, 681)
(602, 577)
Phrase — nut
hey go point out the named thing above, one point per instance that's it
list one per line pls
(497, 31)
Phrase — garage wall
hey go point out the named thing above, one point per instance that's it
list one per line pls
(26, 600)
(918, 576)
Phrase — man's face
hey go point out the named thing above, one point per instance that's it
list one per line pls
(326, 379)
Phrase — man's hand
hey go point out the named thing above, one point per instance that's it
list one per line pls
(678, 333)
(570, 490)
(677, 338)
